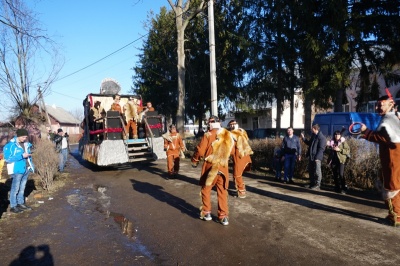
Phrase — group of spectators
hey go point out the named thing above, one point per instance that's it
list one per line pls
(290, 152)
(219, 144)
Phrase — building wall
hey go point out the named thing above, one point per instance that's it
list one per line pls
(352, 92)
(267, 118)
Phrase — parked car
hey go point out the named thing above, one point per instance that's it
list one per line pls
(331, 122)
(249, 133)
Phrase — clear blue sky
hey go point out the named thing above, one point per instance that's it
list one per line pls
(89, 30)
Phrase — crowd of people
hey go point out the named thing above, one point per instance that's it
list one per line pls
(286, 156)
(218, 145)
(132, 113)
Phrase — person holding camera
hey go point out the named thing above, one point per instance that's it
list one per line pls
(61, 148)
(18, 156)
(339, 151)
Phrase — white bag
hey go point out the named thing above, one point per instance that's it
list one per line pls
(10, 168)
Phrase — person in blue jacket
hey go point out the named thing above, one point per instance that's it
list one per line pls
(17, 155)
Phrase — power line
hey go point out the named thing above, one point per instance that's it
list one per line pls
(73, 73)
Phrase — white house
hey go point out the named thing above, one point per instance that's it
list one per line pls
(266, 117)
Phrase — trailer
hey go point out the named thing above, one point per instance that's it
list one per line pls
(105, 140)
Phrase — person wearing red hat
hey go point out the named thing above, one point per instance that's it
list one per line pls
(17, 154)
(388, 137)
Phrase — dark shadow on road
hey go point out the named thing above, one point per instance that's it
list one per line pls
(312, 204)
(31, 255)
(367, 198)
(158, 193)
(6, 187)
(352, 196)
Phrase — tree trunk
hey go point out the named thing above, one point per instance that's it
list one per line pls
(181, 76)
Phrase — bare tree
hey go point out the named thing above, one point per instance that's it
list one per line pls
(77, 113)
(183, 14)
(28, 57)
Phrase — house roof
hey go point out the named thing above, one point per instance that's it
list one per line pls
(61, 115)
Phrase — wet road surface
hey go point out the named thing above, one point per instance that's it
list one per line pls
(132, 215)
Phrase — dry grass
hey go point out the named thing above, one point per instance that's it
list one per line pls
(46, 162)
(361, 170)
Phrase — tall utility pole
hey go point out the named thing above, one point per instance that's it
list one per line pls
(213, 71)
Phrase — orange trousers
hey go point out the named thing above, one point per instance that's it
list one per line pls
(239, 184)
(222, 195)
(393, 205)
(132, 124)
(173, 163)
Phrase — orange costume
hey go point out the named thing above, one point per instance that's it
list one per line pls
(215, 147)
(388, 137)
(173, 145)
(241, 159)
(131, 116)
(116, 107)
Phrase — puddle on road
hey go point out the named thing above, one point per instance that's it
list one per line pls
(78, 199)
(125, 225)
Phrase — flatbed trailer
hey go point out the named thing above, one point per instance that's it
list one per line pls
(110, 144)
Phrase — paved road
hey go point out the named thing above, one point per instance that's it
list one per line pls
(134, 216)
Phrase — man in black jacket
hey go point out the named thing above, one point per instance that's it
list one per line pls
(316, 147)
(61, 148)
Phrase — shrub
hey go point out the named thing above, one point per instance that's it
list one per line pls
(46, 162)
(361, 170)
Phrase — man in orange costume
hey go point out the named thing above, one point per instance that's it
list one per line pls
(388, 137)
(173, 145)
(131, 116)
(241, 157)
(216, 146)
(116, 106)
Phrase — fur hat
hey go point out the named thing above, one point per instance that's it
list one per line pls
(22, 132)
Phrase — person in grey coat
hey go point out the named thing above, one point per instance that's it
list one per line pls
(316, 147)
